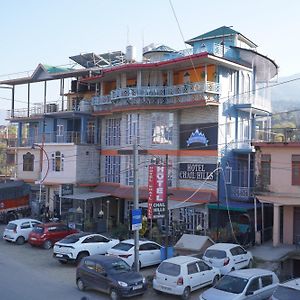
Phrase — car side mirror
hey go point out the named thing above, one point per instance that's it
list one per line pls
(104, 274)
(248, 293)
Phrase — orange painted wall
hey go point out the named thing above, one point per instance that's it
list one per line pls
(195, 75)
(109, 86)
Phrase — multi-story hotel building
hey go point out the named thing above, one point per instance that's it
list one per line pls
(198, 106)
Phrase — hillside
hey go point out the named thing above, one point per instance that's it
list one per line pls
(286, 97)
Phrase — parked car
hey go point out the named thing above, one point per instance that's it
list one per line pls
(228, 257)
(76, 246)
(110, 275)
(181, 275)
(287, 290)
(149, 252)
(18, 230)
(47, 234)
(254, 284)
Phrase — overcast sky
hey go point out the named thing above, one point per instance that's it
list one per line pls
(50, 31)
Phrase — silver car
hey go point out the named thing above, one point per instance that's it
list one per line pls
(250, 284)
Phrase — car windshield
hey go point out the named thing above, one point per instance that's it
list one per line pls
(119, 267)
(169, 269)
(11, 226)
(38, 229)
(71, 239)
(215, 254)
(286, 293)
(123, 246)
(231, 284)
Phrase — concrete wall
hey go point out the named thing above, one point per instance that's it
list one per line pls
(288, 225)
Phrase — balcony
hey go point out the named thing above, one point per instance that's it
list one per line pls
(279, 135)
(158, 95)
(248, 100)
(39, 109)
(241, 192)
(66, 137)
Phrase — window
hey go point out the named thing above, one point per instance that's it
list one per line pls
(203, 266)
(57, 161)
(60, 130)
(192, 268)
(162, 128)
(28, 162)
(266, 169)
(129, 170)
(295, 169)
(228, 175)
(253, 286)
(132, 128)
(112, 132)
(169, 269)
(25, 225)
(266, 280)
(112, 169)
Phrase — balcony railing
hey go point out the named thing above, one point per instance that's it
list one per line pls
(285, 135)
(54, 137)
(256, 101)
(40, 109)
(241, 193)
(158, 95)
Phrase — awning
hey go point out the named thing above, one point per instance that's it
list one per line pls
(234, 206)
(126, 192)
(173, 204)
(86, 196)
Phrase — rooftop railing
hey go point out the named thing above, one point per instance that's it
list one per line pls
(273, 135)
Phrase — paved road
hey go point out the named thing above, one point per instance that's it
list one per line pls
(28, 273)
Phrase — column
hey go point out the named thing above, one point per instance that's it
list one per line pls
(276, 225)
(20, 134)
(83, 130)
(139, 78)
(288, 225)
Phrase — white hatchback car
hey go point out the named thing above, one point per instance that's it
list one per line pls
(76, 246)
(18, 230)
(287, 290)
(149, 252)
(249, 284)
(181, 275)
(228, 257)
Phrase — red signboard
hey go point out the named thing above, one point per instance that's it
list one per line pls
(157, 185)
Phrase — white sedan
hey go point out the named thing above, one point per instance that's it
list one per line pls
(149, 252)
(76, 246)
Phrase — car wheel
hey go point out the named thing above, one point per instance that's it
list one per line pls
(63, 262)
(157, 292)
(80, 256)
(114, 294)
(20, 240)
(215, 280)
(47, 245)
(80, 284)
(186, 293)
(250, 264)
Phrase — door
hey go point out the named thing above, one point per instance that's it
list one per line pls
(149, 254)
(25, 229)
(206, 274)
(194, 276)
(240, 257)
(253, 291)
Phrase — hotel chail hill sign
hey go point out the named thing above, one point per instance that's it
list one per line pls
(157, 185)
(196, 171)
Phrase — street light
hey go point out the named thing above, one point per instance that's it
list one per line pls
(41, 168)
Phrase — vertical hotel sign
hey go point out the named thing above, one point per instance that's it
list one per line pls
(157, 185)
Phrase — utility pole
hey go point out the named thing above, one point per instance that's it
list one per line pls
(218, 199)
(166, 207)
(136, 203)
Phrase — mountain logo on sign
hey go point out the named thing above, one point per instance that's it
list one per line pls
(197, 137)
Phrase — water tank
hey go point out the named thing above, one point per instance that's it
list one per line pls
(130, 53)
(85, 105)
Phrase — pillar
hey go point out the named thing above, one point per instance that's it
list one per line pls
(288, 225)
(276, 225)
(20, 134)
(139, 78)
(83, 130)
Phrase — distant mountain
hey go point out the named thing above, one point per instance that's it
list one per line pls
(286, 96)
